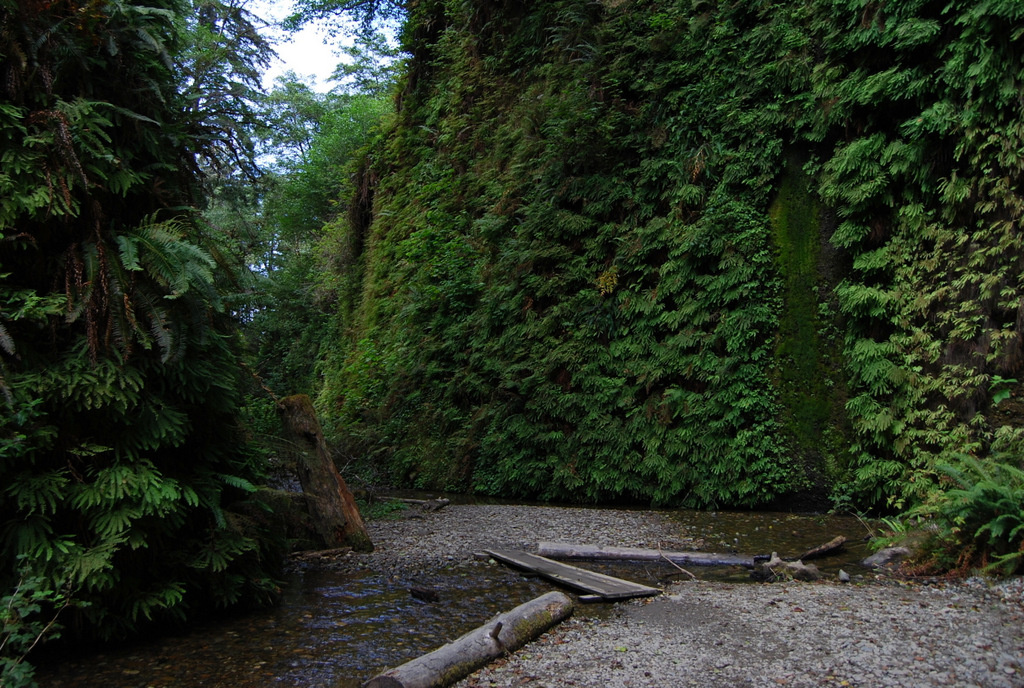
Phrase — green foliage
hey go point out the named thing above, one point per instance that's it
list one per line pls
(388, 509)
(123, 472)
(1001, 389)
(367, 13)
(28, 616)
(290, 243)
(372, 66)
(935, 282)
(981, 514)
(580, 267)
(808, 350)
(219, 69)
(568, 291)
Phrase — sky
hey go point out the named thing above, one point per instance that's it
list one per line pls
(310, 53)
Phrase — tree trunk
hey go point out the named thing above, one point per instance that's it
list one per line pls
(558, 550)
(331, 504)
(504, 633)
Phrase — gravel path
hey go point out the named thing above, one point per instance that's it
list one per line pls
(873, 632)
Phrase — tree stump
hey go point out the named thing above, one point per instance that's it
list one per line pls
(331, 504)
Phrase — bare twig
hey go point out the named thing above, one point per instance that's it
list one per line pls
(662, 555)
(871, 531)
(494, 636)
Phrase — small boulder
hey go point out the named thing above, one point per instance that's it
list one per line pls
(425, 594)
(844, 577)
(890, 556)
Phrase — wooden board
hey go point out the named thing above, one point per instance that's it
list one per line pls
(607, 587)
(593, 553)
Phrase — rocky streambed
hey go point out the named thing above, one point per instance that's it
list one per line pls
(873, 631)
(349, 616)
(793, 634)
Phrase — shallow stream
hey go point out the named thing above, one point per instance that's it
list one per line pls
(336, 629)
(332, 628)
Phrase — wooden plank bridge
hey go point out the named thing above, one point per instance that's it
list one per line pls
(605, 587)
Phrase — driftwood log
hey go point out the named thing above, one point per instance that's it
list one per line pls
(558, 550)
(504, 633)
(833, 546)
(331, 504)
(608, 588)
(779, 569)
(427, 505)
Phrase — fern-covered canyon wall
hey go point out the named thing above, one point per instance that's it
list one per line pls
(699, 253)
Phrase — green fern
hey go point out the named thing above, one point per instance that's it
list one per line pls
(118, 360)
(984, 512)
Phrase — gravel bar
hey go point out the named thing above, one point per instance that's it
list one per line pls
(458, 531)
(875, 632)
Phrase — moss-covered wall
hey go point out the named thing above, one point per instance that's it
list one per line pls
(810, 377)
(590, 272)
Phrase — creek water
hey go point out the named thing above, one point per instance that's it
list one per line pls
(336, 629)
(331, 629)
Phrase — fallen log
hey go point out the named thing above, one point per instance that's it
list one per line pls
(309, 555)
(427, 505)
(504, 633)
(833, 546)
(558, 550)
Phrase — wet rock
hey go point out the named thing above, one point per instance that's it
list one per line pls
(890, 556)
(425, 594)
(844, 577)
